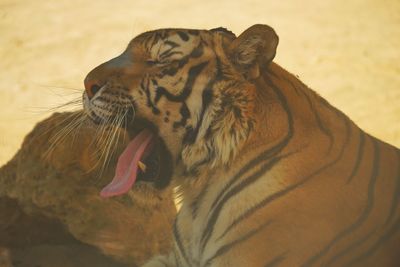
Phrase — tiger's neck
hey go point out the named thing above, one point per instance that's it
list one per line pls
(288, 116)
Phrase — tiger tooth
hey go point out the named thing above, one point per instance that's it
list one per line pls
(142, 166)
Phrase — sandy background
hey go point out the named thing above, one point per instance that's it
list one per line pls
(347, 50)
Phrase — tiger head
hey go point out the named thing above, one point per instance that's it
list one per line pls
(192, 90)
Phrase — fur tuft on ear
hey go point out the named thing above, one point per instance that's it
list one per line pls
(254, 48)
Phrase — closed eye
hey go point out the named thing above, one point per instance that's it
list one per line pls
(157, 63)
(152, 62)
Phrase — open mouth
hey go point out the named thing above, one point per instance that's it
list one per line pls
(144, 159)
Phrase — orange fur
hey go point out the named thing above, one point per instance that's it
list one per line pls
(270, 173)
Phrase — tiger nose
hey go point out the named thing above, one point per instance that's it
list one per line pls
(92, 87)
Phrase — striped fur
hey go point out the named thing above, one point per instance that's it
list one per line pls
(270, 173)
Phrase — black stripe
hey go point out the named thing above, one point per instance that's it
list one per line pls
(320, 124)
(183, 36)
(185, 115)
(390, 233)
(275, 261)
(285, 191)
(171, 43)
(324, 102)
(275, 196)
(259, 205)
(267, 154)
(146, 40)
(196, 202)
(225, 248)
(146, 89)
(169, 53)
(191, 135)
(178, 241)
(314, 110)
(193, 73)
(172, 68)
(336, 239)
(296, 89)
(264, 156)
(359, 157)
(193, 171)
(357, 243)
(367, 210)
(166, 52)
(236, 189)
(291, 188)
(156, 38)
(197, 52)
(396, 195)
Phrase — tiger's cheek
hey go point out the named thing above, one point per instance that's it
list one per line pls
(167, 118)
(171, 122)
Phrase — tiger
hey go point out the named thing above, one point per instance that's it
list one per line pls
(269, 173)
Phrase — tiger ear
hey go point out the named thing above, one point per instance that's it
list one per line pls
(254, 48)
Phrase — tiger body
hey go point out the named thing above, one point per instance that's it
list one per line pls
(270, 173)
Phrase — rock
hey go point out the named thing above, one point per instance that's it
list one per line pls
(5, 260)
(49, 194)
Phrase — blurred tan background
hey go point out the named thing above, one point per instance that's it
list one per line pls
(346, 50)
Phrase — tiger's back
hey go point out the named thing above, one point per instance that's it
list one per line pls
(326, 194)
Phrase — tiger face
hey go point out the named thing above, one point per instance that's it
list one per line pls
(192, 90)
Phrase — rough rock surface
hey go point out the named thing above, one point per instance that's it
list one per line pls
(52, 214)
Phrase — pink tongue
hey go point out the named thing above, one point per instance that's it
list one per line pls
(127, 166)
